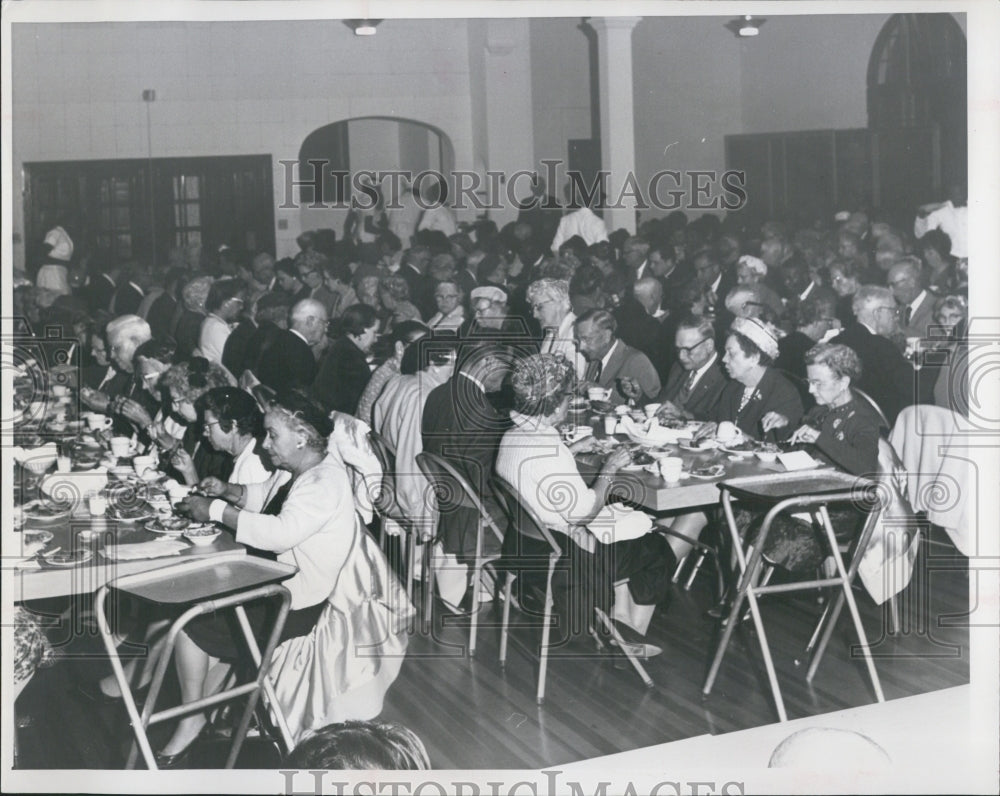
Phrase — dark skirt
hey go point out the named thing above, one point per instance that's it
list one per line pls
(220, 636)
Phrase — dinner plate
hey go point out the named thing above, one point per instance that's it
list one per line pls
(718, 469)
(47, 512)
(132, 513)
(68, 558)
(169, 526)
(742, 454)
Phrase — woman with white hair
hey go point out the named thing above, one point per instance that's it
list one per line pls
(751, 272)
(550, 304)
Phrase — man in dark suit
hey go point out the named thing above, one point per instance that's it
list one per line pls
(421, 286)
(655, 326)
(271, 317)
(716, 284)
(128, 297)
(916, 303)
(289, 362)
(461, 424)
(886, 376)
(695, 381)
(609, 360)
(102, 287)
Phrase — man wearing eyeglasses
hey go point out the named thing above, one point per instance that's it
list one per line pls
(695, 381)
(886, 375)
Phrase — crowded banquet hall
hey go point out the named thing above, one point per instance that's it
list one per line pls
(500, 393)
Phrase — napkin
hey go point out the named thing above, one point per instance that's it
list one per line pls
(133, 552)
(797, 460)
(651, 432)
(617, 523)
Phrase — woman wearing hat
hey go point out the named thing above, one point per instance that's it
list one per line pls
(309, 522)
(758, 394)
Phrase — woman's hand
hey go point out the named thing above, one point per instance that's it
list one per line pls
(195, 507)
(804, 434)
(213, 487)
(184, 464)
(617, 459)
(132, 410)
(773, 420)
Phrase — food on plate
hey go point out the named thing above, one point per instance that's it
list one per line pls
(127, 512)
(68, 558)
(709, 471)
(202, 534)
(36, 537)
(43, 509)
(168, 524)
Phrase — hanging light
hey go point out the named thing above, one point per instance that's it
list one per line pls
(362, 27)
(745, 26)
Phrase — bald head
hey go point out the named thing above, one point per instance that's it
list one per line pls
(648, 292)
(309, 318)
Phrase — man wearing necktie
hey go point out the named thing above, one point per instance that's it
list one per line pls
(610, 361)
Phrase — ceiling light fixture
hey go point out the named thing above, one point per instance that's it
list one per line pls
(362, 27)
(745, 26)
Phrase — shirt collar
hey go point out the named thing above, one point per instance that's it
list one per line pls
(918, 301)
(301, 336)
(715, 284)
(141, 291)
(701, 371)
(607, 356)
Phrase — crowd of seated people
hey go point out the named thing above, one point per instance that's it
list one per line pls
(779, 331)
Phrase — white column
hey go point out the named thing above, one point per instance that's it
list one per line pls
(614, 54)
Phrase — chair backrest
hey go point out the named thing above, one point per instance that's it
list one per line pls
(525, 521)
(385, 502)
(451, 487)
(883, 421)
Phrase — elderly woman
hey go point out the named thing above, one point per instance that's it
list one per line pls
(309, 522)
(394, 296)
(344, 371)
(950, 312)
(842, 430)
(404, 334)
(551, 306)
(751, 272)
(187, 328)
(448, 297)
(151, 360)
(535, 462)
(233, 425)
(223, 305)
(185, 384)
(758, 395)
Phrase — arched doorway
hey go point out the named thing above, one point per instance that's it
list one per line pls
(375, 144)
(917, 94)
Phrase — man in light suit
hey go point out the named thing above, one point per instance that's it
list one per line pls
(609, 360)
(916, 303)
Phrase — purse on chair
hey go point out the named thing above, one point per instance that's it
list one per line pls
(342, 669)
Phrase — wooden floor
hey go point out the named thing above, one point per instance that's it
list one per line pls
(471, 714)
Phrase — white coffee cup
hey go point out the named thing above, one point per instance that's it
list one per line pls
(121, 446)
(97, 505)
(97, 421)
(63, 464)
(670, 469)
(60, 390)
(143, 463)
(610, 424)
(598, 394)
(650, 409)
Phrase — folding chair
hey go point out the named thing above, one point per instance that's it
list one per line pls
(526, 522)
(450, 485)
(206, 585)
(791, 492)
(387, 509)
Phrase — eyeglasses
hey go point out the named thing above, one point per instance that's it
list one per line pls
(819, 382)
(207, 425)
(894, 310)
(681, 349)
(538, 305)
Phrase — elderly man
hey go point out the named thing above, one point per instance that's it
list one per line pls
(262, 268)
(289, 362)
(461, 424)
(886, 376)
(916, 303)
(654, 324)
(610, 360)
(450, 315)
(635, 259)
(310, 265)
(489, 312)
(125, 334)
(550, 304)
(695, 382)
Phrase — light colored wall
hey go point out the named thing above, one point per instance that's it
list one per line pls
(560, 88)
(687, 97)
(228, 88)
(807, 73)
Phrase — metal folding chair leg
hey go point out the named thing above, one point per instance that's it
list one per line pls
(624, 647)
(507, 589)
